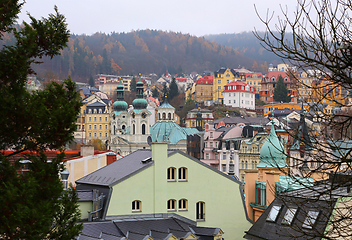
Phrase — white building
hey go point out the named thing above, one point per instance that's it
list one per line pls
(239, 94)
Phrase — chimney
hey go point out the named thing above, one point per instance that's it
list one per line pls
(110, 158)
(87, 150)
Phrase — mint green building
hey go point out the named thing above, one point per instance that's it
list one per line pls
(164, 182)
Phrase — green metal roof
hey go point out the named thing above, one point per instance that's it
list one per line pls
(171, 131)
(272, 153)
(289, 183)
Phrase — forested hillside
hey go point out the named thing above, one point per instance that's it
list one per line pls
(247, 44)
(149, 51)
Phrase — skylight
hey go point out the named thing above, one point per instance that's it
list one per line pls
(289, 215)
(274, 212)
(310, 219)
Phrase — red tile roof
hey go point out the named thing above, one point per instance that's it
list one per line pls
(205, 80)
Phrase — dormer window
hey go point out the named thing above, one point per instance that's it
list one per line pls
(273, 79)
(289, 215)
(310, 219)
(274, 213)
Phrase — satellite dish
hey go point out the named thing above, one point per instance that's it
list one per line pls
(149, 140)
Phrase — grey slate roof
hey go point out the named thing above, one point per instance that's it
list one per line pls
(321, 198)
(135, 229)
(96, 104)
(246, 120)
(118, 170)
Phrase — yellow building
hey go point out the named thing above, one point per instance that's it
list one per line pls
(93, 121)
(291, 106)
(326, 91)
(249, 153)
(304, 88)
(207, 117)
(221, 78)
(204, 89)
(253, 79)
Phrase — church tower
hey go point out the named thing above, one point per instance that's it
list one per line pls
(119, 114)
(139, 115)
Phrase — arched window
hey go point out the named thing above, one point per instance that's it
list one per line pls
(182, 174)
(255, 164)
(143, 129)
(133, 129)
(242, 164)
(159, 116)
(171, 174)
(200, 211)
(136, 206)
(164, 116)
(246, 165)
(252, 165)
(169, 116)
(182, 205)
(171, 205)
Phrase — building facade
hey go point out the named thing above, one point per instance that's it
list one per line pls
(221, 78)
(204, 89)
(239, 94)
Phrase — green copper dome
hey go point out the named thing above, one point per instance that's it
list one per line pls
(272, 153)
(120, 106)
(140, 103)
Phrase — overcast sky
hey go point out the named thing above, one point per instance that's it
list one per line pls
(196, 17)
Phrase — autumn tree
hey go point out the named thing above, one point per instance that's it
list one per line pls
(320, 44)
(281, 91)
(35, 205)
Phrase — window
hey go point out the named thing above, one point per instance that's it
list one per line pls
(100, 134)
(90, 119)
(95, 134)
(106, 126)
(106, 119)
(260, 193)
(134, 129)
(106, 134)
(100, 118)
(171, 174)
(274, 212)
(169, 116)
(95, 119)
(182, 174)
(164, 116)
(182, 205)
(229, 101)
(246, 165)
(90, 127)
(136, 206)
(100, 127)
(211, 134)
(310, 219)
(289, 215)
(211, 144)
(242, 164)
(223, 167)
(200, 211)
(207, 156)
(143, 129)
(95, 126)
(90, 134)
(224, 156)
(171, 205)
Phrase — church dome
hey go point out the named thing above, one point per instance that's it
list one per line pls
(140, 103)
(120, 106)
(272, 153)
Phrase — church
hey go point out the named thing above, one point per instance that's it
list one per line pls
(131, 128)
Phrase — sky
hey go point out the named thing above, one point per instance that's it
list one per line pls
(195, 17)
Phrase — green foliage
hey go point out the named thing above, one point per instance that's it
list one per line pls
(173, 90)
(281, 91)
(34, 205)
(91, 81)
(155, 93)
(133, 85)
